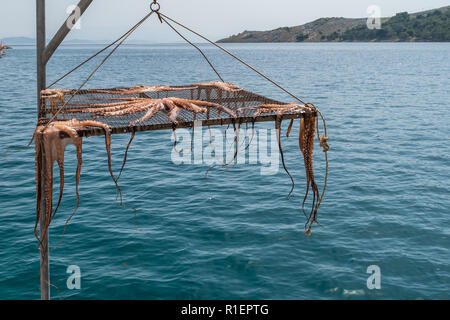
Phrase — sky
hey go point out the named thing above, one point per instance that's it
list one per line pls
(108, 19)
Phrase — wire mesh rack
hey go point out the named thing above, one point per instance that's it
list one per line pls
(85, 104)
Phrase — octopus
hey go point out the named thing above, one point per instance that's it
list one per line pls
(279, 109)
(146, 108)
(306, 144)
(172, 106)
(120, 106)
(51, 141)
(139, 90)
(55, 97)
(224, 86)
(220, 88)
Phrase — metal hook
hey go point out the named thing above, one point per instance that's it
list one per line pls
(155, 3)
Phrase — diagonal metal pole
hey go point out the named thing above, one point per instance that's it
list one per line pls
(64, 29)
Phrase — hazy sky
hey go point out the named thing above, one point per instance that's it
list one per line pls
(106, 19)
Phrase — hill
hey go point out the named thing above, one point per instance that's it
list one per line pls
(431, 25)
(31, 41)
(18, 41)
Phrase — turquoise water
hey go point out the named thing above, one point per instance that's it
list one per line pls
(235, 236)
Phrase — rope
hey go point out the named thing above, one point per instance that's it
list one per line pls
(324, 144)
(91, 57)
(322, 139)
(192, 44)
(235, 57)
(123, 38)
(163, 18)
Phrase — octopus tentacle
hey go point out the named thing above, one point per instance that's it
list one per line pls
(48, 185)
(134, 108)
(290, 128)
(149, 114)
(194, 108)
(119, 105)
(107, 129)
(137, 90)
(236, 141)
(77, 141)
(136, 105)
(216, 106)
(38, 183)
(53, 146)
(253, 135)
(308, 133)
(79, 149)
(301, 137)
(133, 134)
(225, 86)
(60, 162)
(100, 108)
(278, 131)
(174, 110)
(306, 144)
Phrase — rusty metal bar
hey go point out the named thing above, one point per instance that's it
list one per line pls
(41, 82)
(64, 31)
(187, 124)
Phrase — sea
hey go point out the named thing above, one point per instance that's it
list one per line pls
(384, 228)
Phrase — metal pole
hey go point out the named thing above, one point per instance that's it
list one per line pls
(43, 54)
(41, 84)
(40, 49)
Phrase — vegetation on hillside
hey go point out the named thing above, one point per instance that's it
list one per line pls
(433, 26)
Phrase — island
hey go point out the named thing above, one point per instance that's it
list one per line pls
(432, 25)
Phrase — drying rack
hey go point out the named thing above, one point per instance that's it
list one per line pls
(49, 111)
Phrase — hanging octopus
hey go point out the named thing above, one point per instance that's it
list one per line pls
(171, 106)
(55, 97)
(306, 144)
(51, 141)
(151, 107)
(224, 86)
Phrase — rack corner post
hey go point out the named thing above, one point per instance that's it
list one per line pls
(40, 49)
(41, 84)
(44, 267)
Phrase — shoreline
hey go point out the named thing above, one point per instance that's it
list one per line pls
(201, 43)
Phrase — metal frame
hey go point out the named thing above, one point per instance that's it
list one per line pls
(43, 55)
